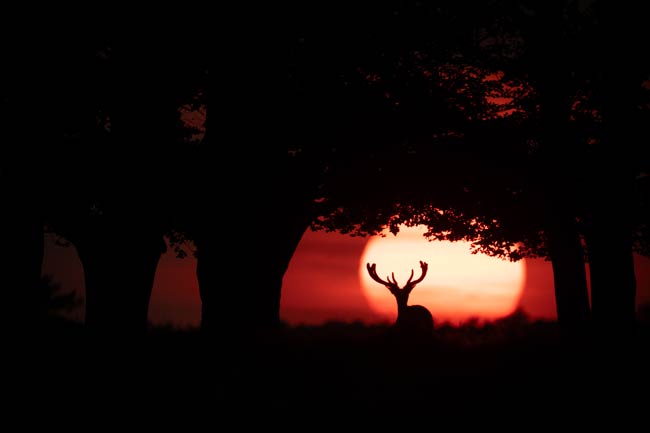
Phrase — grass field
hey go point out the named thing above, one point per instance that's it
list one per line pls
(495, 364)
(345, 369)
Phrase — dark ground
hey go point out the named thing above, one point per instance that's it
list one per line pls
(334, 372)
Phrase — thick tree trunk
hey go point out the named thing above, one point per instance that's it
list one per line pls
(559, 159)
(609, 242)
(569, 277)
(560, 174)
(271, 201)
(253, 304)
(119, 280)
(561, 177)
(244, 251)
(21, 261)
(267, 284)
(27, 139)
(613, 282)
(613, 161)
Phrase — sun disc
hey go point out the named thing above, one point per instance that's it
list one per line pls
(458, 286)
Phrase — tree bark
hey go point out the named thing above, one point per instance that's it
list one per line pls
(561, 191)
(612, 162)
(260, 261)
(569, 276)
(613, 281)
(21, 261)
(560, 166)
(609, 242)
(118, 280)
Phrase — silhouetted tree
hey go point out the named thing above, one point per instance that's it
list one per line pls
(94, 131)
(562, 193)
(23, 158)
(583, 204)
(122, 130)
(617, 158)
(302, 118)
(523, 181)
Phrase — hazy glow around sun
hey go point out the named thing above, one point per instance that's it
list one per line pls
(458, 286)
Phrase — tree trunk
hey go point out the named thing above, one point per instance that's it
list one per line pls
(26, 133)
(244, 252)
(569, 277)
(259, 265)
(21, 261)
(612, 164)
(613, 281)
(609, 241)
(119, 280)
(561, 179)
(560, 167)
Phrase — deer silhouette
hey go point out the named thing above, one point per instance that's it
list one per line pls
(412, 320)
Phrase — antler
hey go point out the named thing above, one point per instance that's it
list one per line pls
(392, 285)
(411, 284)
(372, 270)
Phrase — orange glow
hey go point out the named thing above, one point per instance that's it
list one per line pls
(458, 286)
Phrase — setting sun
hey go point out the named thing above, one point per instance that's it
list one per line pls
(459, 285)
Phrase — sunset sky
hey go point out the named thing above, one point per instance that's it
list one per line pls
(322, 284)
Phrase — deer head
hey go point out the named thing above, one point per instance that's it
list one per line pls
(400, 293)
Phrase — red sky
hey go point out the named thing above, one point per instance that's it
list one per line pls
(322, 283)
